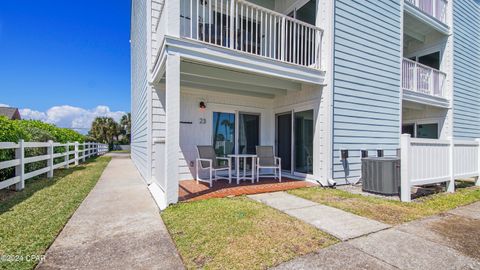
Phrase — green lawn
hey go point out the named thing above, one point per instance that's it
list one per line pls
(31, 219)
(390, 211)
(238, 233)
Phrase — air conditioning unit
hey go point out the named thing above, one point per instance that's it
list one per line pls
(381, 175)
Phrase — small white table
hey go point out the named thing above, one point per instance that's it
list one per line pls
(243, 176)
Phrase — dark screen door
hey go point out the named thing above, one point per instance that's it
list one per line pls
(284, 140)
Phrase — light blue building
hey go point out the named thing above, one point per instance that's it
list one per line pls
(309, 77)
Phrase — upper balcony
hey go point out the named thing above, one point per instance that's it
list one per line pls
(424, 84)
(242, 32)
(432, 13)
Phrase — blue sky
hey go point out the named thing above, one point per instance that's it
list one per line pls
(65, 54)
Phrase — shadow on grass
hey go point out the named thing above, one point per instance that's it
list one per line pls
(10, 198)
(424, 192)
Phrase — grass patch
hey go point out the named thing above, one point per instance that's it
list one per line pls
(389, 211)
(238, 233)
(31, 219)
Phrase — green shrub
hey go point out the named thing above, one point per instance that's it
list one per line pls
(32, 131)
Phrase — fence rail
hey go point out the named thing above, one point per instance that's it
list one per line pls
(70, 153)
(434, 8)
(427, 161)
(243, 26)
(423, 79)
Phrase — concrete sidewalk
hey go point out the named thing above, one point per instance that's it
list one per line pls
(446, 241)
(118, 226)
(336, 222)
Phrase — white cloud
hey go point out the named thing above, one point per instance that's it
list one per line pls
(71, 117)
(4, 105)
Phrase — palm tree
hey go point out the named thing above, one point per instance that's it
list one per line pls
(126, 124)
(105, 129)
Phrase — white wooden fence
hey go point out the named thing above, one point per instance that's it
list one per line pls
(427, 161)
(80, 152)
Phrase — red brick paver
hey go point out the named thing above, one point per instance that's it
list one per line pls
(191, 191)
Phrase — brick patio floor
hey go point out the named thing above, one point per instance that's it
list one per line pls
(189, 190)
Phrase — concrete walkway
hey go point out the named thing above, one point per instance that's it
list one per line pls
(447, 241)
(118, 226)
(331, 220)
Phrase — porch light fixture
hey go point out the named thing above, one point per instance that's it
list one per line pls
(202, 106)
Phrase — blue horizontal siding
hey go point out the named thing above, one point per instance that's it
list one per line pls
(139, 87)
(366, 99)
(466, 69)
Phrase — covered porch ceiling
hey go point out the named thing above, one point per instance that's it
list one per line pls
(417, 30)
(219, 79)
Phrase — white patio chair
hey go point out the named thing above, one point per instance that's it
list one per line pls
(266, 159)
(207, 159)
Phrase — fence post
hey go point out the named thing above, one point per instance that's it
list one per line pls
(67, 156)
(83, 152)
(405, 187)
(477, 179)
(20, 169)
(76, 153)
(451, 169)
(50, 159)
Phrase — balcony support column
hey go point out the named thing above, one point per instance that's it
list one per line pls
(172, 126)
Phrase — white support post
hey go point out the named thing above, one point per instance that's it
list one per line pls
(477, 179)
(20, 169)
(76, 153)
(405, 186)
(172, 123)
(451, 169)
(67, 155)
(50, 159)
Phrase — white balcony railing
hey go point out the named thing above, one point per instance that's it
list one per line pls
(243, 26)
(423, 79)
(434, 8)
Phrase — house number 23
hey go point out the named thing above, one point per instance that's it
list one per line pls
(203, 121)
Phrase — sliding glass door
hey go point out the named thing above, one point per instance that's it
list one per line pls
(224, 133)
(299, 134)
(284, 140)
(303, 149)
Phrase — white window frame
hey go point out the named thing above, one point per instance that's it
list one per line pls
(415, 123)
